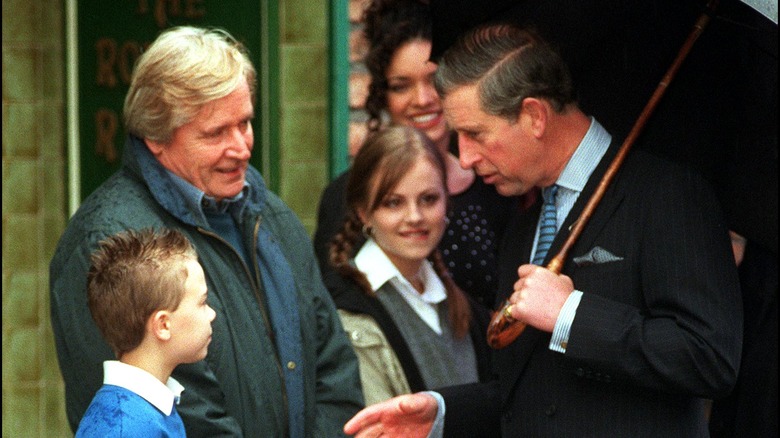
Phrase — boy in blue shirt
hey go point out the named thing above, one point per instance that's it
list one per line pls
(147, 293)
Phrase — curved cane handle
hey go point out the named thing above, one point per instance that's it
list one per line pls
(504, 328)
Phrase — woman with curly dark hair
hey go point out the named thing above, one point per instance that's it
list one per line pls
(402, 93)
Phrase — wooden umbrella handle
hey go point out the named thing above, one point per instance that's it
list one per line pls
(504, 328)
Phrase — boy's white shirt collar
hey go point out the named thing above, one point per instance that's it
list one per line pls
(374, 263)
(162, 396)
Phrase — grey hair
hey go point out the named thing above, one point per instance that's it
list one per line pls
(183, 69)
(508, 64)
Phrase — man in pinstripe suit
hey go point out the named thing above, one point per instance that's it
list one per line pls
(643, 324)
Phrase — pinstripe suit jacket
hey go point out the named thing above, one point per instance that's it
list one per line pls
(655, 333)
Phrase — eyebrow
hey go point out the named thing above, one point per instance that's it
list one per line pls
(472, 128)
(399, 78)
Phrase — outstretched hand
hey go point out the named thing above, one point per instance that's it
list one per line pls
(407, 416)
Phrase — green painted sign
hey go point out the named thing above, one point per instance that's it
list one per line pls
(111, 36)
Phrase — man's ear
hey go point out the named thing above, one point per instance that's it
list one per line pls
(160, 324)
(538, 113)
(155, 147)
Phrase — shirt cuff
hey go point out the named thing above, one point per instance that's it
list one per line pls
(437, 431)
(562, 329)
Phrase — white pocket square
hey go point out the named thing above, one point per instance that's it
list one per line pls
(596, 256)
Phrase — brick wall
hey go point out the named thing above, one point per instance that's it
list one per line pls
(359, 78)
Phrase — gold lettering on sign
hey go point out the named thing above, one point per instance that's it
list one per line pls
(173, 8)
(129, 52)
(106, 122)
(106, 57)
(161, 12)
(109, 61)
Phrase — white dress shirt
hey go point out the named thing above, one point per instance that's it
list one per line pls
(374, 263)
(162, 396)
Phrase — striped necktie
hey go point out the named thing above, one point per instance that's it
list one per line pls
(548, 226)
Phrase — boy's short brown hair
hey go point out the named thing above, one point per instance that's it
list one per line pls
(132, 275)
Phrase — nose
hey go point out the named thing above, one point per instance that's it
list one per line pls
(413, 213)
(425, 94)
(466, 153)
(241, 142)
(213, 314)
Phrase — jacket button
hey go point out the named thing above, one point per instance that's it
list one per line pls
(290, 365)
(580, 372)
(550, 411)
